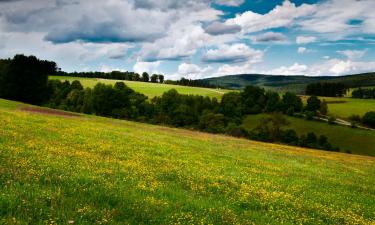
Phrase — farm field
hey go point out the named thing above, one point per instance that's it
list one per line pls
(79, 169)
(357, 141)
(345, 107)
(149, 89)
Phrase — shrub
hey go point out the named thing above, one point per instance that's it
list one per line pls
(331, 120)
(369, 119)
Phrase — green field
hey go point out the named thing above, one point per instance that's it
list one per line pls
(78, 169)
(345, 107)
(149, 89)
(357, 141)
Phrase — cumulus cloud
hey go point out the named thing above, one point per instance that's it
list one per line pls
(295, 69)
(353, 54)
(192, 71)
(230, 2)
(269, 37)
(217, 28)
(235, 53)
(281, 16)
(305, 39)
(330, 67)
(90, 21)
(336, 17)
(149, 67)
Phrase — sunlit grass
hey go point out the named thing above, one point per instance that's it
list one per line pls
(345, 107)
(92, 170)
(149, 89)
(357, 141)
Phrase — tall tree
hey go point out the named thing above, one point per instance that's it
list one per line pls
(145, 77)
(25, 78)
(154, 78)
(161, 78)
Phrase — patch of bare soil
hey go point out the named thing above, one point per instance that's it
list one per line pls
(47, 111)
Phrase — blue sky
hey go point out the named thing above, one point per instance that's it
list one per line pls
(194, 38)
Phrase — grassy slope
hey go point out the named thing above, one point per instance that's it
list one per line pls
(350, 107)
(355, 140)
(96, 170)
(149, 89)
(345, 107)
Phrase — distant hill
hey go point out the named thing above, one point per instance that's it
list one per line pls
(288, 83)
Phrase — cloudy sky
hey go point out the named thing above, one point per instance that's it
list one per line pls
(194, 38)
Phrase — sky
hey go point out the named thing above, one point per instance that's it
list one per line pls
(194, 38)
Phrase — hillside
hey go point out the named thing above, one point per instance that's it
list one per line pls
(62, 168)
(148, 88)
(357, 141)
(345, 107)
(288, 83)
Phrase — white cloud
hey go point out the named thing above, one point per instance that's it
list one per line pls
(305, 39)
(295, 69)
(149, 67)
(353, 54)
(281, 16)
(333, 17)
(230, 2)
(269, 37)
(192, 71)
(217, 28)
(233, 54)
(301, 50)
(331, 67)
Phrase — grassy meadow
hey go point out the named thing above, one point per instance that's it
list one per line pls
(357, 141)
(345, 107)
(79, 169)
(149, 89)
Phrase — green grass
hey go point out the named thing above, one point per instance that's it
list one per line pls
(92, 170)
(357, 141)
(149, 89)
(345, 107)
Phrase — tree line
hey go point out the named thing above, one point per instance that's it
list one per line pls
(366, 93)
(326, 89)
(117, 75)
(171, 109)
(192, 83)
(132, 76)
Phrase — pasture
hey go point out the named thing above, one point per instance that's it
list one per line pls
(355, 140)
(345, 107)
(79, 169)
(147, 88)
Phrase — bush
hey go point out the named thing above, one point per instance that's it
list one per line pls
(369, 119)
(331, 120)
(235, 130)
(310, 115)
(355, 118)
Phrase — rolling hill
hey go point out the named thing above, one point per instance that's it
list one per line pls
(288, 83)
(147, 88)
(63, 168)
(356, 141)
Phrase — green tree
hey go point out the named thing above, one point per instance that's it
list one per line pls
(313, 104)
(369, 119)
(291, 103)
(161, 78)
(145, 77)
(154, 78)
(25, 78)
(323, 107)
